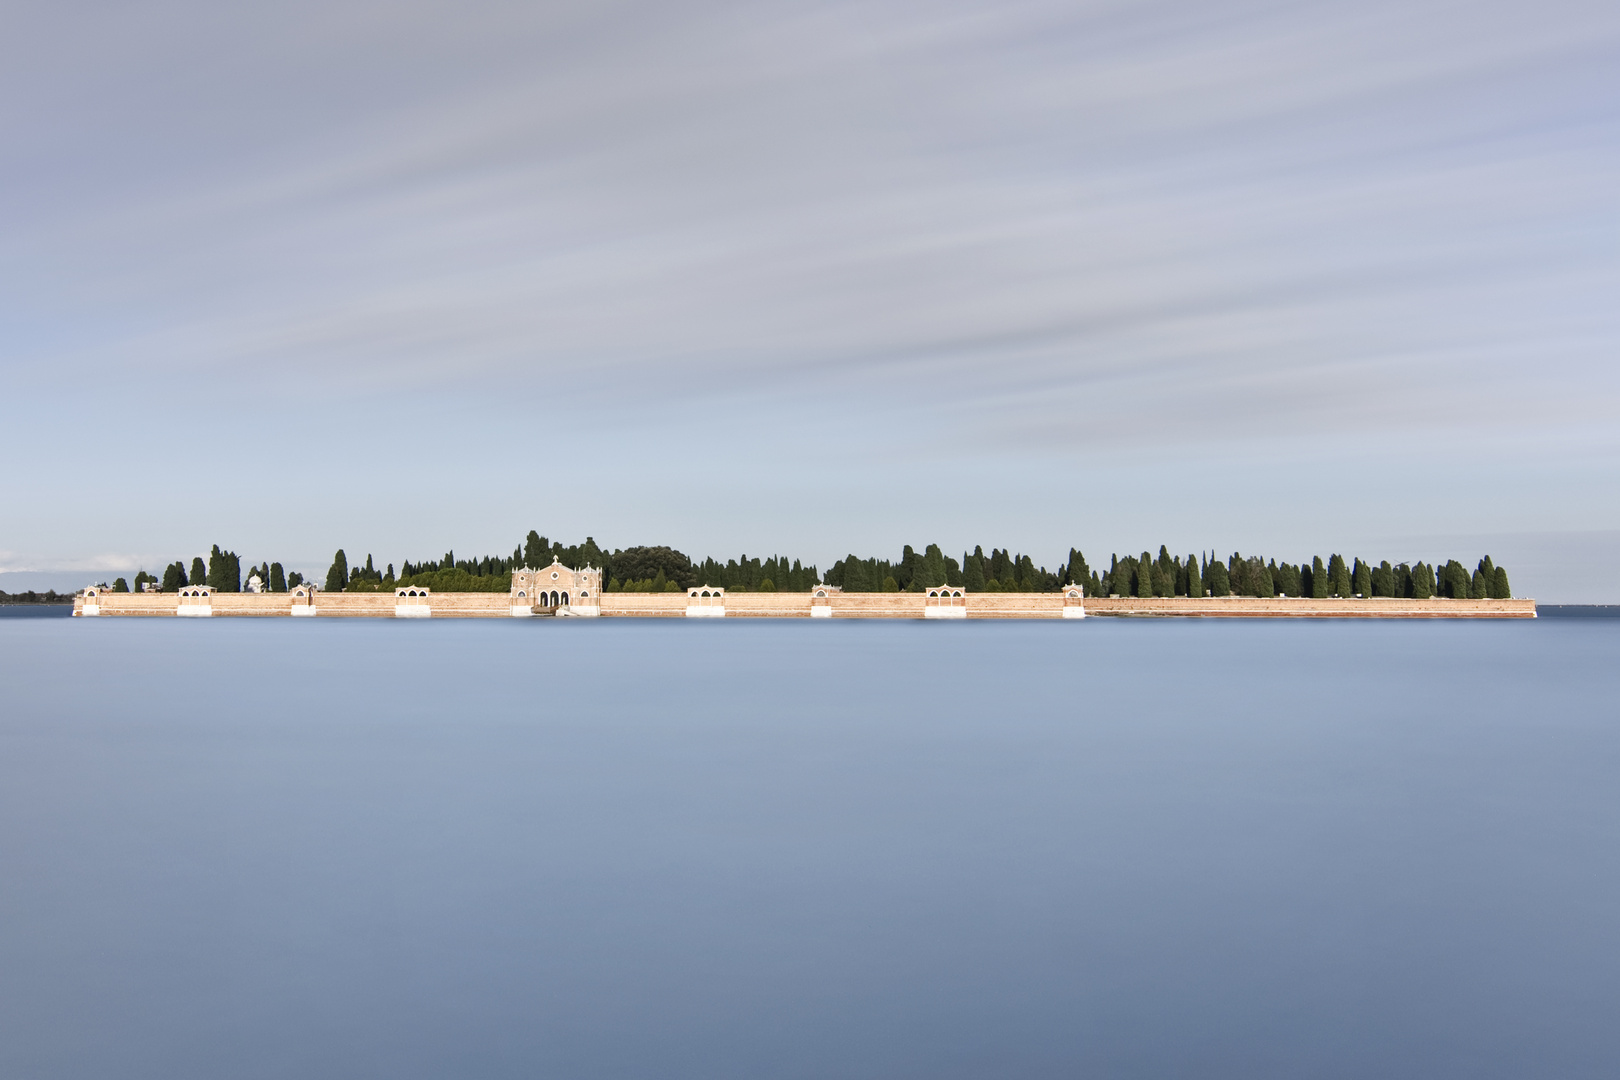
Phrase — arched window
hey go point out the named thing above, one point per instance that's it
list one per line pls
(583, 593)
(564, 599)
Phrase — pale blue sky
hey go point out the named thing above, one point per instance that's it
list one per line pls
(1286, 278)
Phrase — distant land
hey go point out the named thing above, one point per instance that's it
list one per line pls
(663, 568)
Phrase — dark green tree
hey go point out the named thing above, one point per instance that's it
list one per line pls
(931, 568)
(536, 552)
(1423, 583)
(120, 585)
(1500, 589)
(1321, 584)
(973, 573)
(174, 577)
(337, 577)
(1363, 579)
(1001, 567)
(1144, 576)
(199, 573)
(1164, 581)
(1338, 576)
(224, 571)
(906, 572)
(1383, 580)
(1220, 582)
(278, 579)
(1076, 572)
(1454, 580)
(1195, 581)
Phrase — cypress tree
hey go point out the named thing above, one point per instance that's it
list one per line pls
(173, 577)
(1234, 574)
(932, 567)
(1321, 586)
(535, 551)
(278, 579)
(890, 585)
(1144, 576)
(199, 573)
(1338, 576)
(1422, 581)
(1195, 582)
(1458, 586)
(337, 578)
(120, 585)
(1477, 586)
(1383, 580)
(1220, 582)
(1363, 579)
(855, 575)
(1500, 589)
(906, 572)
(973, 574)
(1077, 572)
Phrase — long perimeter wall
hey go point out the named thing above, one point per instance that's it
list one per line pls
(839, 605)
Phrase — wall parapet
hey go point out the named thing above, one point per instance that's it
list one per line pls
(202, 601)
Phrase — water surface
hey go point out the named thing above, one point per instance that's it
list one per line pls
(582, 848)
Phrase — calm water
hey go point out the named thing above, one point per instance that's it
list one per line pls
(581, 848)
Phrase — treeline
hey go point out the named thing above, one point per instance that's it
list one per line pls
(222, 573)
(1000, 571)
(1239, 575)
(660, 568)
(50, 596)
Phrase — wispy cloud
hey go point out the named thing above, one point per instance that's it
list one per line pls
(1041, 227)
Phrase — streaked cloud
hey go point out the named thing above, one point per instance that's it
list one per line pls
(1009, 229)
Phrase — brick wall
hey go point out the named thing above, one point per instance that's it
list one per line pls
(844, 605)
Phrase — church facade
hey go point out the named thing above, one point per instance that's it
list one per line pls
(557, 590)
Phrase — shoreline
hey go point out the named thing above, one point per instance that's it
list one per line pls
(1057, 605)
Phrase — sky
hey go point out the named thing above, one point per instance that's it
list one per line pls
(1277, 278)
